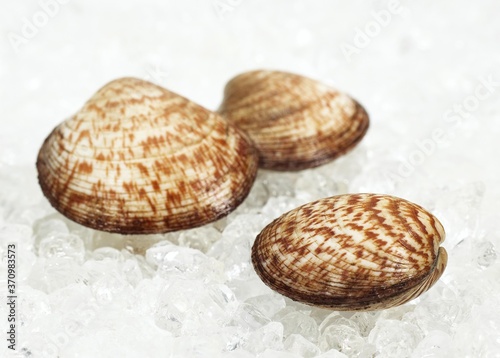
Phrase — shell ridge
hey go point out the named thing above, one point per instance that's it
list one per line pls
(201, 139)
(339, 219)
(393, 205)
(418, 240)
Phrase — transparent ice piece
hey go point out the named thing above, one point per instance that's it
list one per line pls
(295, 343)
(395, 338)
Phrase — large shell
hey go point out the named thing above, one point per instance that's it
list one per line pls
(140, 159)
(295, 122)
(352, 252)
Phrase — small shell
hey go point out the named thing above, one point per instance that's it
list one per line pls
(139, 159)
(295, 122)
(352, 252)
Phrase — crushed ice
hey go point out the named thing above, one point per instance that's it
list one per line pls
(84, 293)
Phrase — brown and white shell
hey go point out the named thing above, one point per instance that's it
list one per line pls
(295, 122)
(352, 252)
(139, 159)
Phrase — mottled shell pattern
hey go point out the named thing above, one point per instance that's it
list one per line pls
(139, 159)
(295, 122)
(352, 252)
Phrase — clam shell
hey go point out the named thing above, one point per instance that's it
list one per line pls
(295, 122)
(352, 252)
(139, 159)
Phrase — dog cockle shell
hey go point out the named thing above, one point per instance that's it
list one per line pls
(295, 122)
(352, 252)
(139, 159)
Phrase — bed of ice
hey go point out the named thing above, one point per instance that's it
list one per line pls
(429, 76)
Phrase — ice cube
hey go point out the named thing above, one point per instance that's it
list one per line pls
(173, 260)
(436, 344)
(200, 238)
(269, 336)
(395, 338)
(300, 323)
(295, 343)
(62, 245)
(268, 304)
(345, 339)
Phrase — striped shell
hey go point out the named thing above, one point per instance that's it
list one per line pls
(139, 159)
(295, 122)
(352, 252)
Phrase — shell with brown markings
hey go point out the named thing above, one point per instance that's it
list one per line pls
(139, 159)
(295, 122)
(352, 252)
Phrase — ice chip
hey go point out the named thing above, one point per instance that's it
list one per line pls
(15, 233)
(201, 238)
(269, 336)
(173, 260)
(62, 245)
(458, 208)
(276, 206)
(486, 254)
(107, 253)
(273, 353)
(257, 197)
(132, 271)
(365, 321)
(54, 273)
(295, 343)
(248, 315)
(345, 339)
(268, 304)
(193, 307)
(335, 318)
(278, 184)
(313, 185)
(395, 338)
(436, 344)
(300, 323)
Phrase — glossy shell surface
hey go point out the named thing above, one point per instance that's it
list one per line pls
(352, 252)
(295, 122)
(139, 159)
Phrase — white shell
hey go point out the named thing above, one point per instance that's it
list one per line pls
(294, 121)
(139, 159)
(352, 252)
